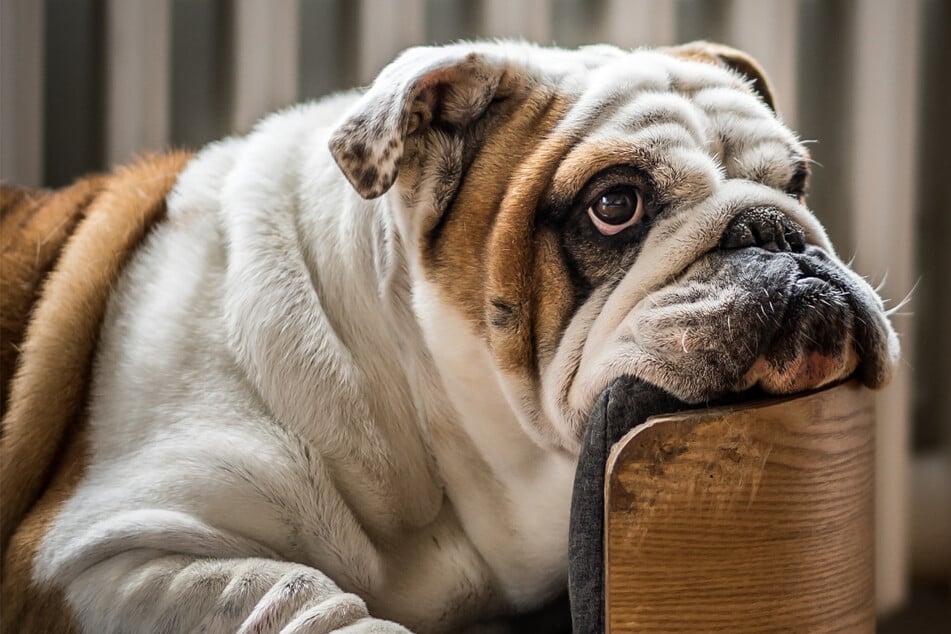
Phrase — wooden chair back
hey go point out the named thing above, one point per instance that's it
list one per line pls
(750, 518)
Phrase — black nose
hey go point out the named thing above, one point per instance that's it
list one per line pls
(764, 227)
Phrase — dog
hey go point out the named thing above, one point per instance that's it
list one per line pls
(334, 374)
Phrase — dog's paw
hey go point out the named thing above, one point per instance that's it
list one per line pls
(371, 625)
(339, 618)
(341, 612)
(317, 613)
(281, 598)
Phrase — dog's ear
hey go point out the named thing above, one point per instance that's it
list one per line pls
(424, 87)
(731, 58)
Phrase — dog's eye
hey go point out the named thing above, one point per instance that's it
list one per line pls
(616, 209)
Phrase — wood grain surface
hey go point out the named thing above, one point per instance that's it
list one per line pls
(753, 518)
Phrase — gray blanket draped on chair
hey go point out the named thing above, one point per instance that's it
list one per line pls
(627, 403)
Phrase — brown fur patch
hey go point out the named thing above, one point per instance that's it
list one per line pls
(553, 296)
(483, 259)
(28, 607)
(34, 226)
(511, 256)
(42, 450)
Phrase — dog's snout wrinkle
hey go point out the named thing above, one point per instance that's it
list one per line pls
(765, 227)
(816, 266)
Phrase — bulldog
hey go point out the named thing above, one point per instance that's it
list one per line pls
(343, 364)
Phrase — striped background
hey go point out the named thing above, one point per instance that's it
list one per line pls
(88, 83)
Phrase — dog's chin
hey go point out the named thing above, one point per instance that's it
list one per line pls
(750, 318)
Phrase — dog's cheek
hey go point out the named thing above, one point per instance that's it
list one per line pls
(707, 333)
(877, 343)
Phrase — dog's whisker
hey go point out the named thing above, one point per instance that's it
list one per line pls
(905, 301)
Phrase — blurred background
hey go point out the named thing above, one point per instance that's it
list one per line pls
(86, 84)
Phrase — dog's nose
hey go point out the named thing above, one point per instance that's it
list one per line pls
(764, 227)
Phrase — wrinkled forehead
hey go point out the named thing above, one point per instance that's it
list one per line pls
(686, 124)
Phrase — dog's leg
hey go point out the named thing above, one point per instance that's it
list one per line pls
(147, 591)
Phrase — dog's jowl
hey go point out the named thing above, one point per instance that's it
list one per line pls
(334, 374)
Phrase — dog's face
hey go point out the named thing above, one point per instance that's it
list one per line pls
(596, 213)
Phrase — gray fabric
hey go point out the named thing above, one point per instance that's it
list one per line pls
(628, 402)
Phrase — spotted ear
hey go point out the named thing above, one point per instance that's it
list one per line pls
(423, 87)
(735, 59)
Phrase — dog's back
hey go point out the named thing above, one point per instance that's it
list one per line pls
(61, 253)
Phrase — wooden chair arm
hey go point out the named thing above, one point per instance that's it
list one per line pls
(749, 518)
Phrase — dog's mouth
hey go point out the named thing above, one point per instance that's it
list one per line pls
(763, 311)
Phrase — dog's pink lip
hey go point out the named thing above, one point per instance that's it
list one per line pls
(810, 371)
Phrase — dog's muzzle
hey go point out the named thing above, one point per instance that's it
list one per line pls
(765, 309)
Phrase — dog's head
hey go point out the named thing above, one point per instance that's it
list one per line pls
(595, 213)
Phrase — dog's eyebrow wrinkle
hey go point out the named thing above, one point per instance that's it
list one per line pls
(596, 106)
(664, 135)
(652, 109)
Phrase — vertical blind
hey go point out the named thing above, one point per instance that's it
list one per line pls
(89, 83)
